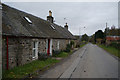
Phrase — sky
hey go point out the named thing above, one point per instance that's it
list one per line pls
(82, 17)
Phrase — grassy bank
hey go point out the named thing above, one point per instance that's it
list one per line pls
(111, 50)
(82, 45)
(62, 54)
(22, 71)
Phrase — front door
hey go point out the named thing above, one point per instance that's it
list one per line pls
(48, 50)
(49, 47)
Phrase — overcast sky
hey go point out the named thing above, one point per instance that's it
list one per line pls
(91, 15)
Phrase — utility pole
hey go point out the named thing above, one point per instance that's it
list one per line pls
(79, 31)
(106, 28)
(106, 24)
(106, 34)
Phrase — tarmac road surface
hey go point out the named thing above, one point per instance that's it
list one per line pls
(88, 62)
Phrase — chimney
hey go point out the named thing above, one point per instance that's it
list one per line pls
(50, 18)
(66, 26)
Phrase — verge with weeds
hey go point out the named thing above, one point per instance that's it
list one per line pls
(22, 71)
(111, 50)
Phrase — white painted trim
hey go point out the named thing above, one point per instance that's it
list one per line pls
(58, 45)
(46, 45)
(28, 19)
(51, 47)
(69, 41)
(36, 51)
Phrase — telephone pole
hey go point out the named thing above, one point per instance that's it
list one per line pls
(106, 24)
(106, 33)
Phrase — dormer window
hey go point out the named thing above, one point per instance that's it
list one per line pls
(52, 27)
(28, 20)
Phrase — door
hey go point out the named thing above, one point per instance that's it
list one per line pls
(48, 50)
(49, 47)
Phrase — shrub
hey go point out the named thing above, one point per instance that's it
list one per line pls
(42, 56)
(72, 43)
(77, 46)
(68, 48)
(55, 53)
(115, 45)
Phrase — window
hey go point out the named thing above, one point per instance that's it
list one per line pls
(27, 19)
(35, 50)
(52, 27)
(58, 45)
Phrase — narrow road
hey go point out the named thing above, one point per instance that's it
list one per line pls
(88, 62)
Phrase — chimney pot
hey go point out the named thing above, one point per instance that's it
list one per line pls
(50, 13)
(66, 26)
(50, 18)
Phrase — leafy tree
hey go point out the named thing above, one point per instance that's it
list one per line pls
(99, 34)
(92, 38)
(85, 37)
(112, 31)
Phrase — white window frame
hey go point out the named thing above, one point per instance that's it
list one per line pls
(52, 27)
(69, 42)
(36, 50)
(51, 47)
(46, 45)
(28, 20)
(58, 45)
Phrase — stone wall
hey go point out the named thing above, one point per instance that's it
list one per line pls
(62, 44)
(20, 50)
(42, 46)
(4, 52)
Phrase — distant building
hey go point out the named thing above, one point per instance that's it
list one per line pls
(78, 40)
(110, 39)
(25, 35)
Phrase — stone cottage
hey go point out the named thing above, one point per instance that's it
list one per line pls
(25, 35)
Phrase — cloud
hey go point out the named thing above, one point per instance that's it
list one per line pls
(92, 15)
(60, 0)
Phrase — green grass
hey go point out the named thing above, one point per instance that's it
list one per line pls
(82, 45)
(62, 54)
(21, 71)
(65, 54)
(111, 50)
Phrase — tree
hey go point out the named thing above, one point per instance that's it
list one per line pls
(112, 32)
(99, 35)
(85, 37)
(92, 38)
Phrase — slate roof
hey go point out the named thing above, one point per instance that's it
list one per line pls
(15, 24)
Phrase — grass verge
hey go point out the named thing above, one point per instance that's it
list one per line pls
(62, 54)
(65, 54)
(22, 71)
(111, 50)
(82, 45)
